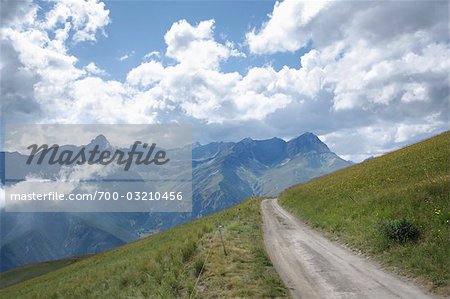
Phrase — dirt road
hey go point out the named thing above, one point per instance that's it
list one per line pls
(314, 267)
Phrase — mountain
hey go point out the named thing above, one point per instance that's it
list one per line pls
(35, 237)
(233, 171)
(188, 260)
(224, 173)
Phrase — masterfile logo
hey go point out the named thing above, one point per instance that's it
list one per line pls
(96, 156)
(98, 168)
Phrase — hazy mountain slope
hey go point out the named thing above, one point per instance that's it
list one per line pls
(35, 237)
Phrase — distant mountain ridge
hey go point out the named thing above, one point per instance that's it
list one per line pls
(224, 173)
(232, 171)
(268, 151)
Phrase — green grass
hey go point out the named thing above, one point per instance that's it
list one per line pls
(412, 183)
(167, 265)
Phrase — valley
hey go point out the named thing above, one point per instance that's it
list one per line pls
(224, 174)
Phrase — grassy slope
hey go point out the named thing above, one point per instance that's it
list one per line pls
(413, 182)
(166, 264)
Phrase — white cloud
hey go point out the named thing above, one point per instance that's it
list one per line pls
(126, 56)
(369, 75)
(362, 62)
(152, 54)
(195, 45)
(17, 14)
(287, 29)
(406, 131)
(85, 18)
(147, 73)
(415, 92)
(196, 85)
(373, 141)
(211, 95)
(376, 82)
(93, 69)
(100, 101)
(377, 63)
(34, 54)
(382, 137)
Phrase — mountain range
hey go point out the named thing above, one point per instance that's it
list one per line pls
(224, 173)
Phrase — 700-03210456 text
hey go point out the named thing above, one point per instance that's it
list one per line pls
(98, 195)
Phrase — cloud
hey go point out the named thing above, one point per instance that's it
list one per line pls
(93, 69)
(17, 92)
(85, 18)
(146, 73)
(287, 28)
(373, 73)
(382, 65)
(370, 76)
(295, 23)
(152, 54)
(380, 138)
(208, 94)
(16, 13)
(105, 101)
(34, 55)
(126, 56)
(195, 46)
(197, 87)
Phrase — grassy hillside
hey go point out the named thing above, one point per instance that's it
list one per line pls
(187, 261)
(412, 184)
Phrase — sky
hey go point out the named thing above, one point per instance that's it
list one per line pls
(367, 77)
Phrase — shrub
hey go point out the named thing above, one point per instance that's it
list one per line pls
(399, 230)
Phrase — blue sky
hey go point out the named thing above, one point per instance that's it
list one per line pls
(138, 27)
(367, 77)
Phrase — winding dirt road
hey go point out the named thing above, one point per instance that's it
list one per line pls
(314, 267)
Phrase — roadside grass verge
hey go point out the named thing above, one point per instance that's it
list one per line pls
(409, 187)
(184, 262)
